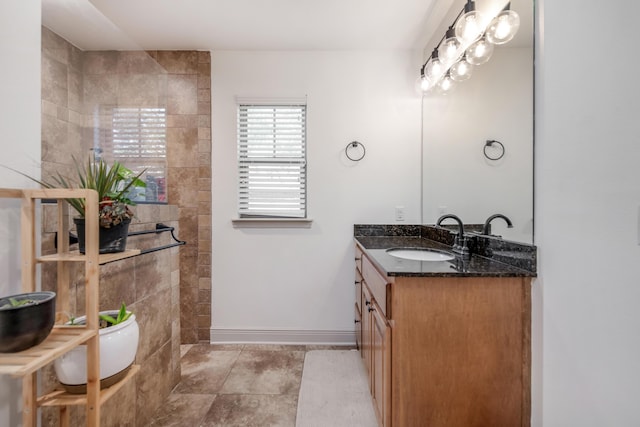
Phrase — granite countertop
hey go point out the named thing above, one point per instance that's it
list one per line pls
(375, 246)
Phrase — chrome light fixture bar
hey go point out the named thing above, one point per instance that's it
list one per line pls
(468, 42)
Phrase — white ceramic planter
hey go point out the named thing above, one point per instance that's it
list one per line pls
(118, 347)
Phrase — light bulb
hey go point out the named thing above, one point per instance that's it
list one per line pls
(471, 25)
(448, 51)
(434, 69)
(446, 85)
(423, 85)
(503, 27)
(461, 70)
(479, 52)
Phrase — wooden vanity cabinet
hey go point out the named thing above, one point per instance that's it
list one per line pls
(447, 351)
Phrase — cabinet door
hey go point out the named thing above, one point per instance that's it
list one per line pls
(366, 332)
(381, 358)
(358, 327)
(358, 309)
(358, 305)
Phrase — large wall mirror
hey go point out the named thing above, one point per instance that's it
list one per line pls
(461, 173)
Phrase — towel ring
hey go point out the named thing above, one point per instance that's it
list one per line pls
(493, 152)
(354, 145)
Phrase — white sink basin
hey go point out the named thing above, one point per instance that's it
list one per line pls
(419, 254)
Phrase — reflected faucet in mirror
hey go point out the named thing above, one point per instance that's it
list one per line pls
(486, 229)
(460, 243)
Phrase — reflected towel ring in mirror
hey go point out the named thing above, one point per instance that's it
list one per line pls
(353, 146)
(493, 150)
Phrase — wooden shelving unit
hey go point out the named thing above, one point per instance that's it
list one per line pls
(63, 338)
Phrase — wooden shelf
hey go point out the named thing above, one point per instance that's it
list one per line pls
(77, 256)
(11, 193)
(63, 338)
(63, 398)
(60, 341)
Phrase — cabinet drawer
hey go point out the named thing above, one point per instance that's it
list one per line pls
(376, 283)
(359, 256)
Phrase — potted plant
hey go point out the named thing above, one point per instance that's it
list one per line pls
(26, 320)
(119, 336)
(113, 183)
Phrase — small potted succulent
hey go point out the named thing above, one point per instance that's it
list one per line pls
(119, 335)
(26, 320)
(113, 183)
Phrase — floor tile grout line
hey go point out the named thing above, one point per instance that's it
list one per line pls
(226, 377)
(204, 414)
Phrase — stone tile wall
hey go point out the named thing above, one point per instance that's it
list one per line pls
(63, 114)
(169, 290)
(75, 84)
(189, 181)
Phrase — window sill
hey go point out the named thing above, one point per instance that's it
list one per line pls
(271, 222)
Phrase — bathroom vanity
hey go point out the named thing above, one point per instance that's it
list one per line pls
(445, 343)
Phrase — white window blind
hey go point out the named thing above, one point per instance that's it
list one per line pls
(140, 139)
(272, 161)
(137, 138)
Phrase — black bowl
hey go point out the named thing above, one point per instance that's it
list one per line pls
(23, 327)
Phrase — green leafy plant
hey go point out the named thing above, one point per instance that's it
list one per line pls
(17, 303)
(105, 319)
(113, 183)
(122, 316)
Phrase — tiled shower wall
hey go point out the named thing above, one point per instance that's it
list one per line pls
(76, 83)
(189, 181)
(169, 290)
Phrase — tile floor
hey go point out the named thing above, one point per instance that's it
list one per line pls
(237, 386)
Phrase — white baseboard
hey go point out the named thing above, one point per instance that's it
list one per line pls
(276, 336)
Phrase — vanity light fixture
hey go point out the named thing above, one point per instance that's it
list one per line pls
(468, 41)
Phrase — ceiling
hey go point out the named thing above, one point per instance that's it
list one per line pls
(239, 24)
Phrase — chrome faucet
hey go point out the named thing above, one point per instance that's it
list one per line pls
(460, 243)
(487, 223)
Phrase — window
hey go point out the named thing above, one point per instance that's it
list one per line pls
(137, 138)
(272, 160)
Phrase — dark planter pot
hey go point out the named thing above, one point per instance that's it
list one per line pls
(23, 327)
(112, 239)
